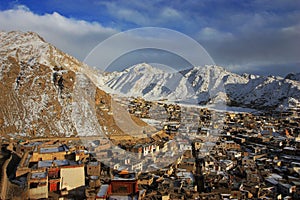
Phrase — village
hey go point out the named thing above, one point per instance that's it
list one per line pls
(197, 153)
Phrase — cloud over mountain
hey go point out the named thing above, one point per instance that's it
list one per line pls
(76, 37)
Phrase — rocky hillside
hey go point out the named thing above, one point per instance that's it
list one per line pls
(293, 76)
(205, 85)
(45, 92)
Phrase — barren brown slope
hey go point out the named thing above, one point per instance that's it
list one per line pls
(37, 83)
(32, 103)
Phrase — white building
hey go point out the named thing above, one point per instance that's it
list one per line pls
(72, 177)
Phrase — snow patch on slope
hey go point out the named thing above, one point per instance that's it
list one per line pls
(203, 85)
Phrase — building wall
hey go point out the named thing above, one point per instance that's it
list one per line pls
(103, 146)
(247, 161)
(47, 156)
(231, 145)
(145, 181)
(124, 187)
(54, 184)
(94, 183)
(189, 166)
(82, 156)
(39, 192)
(165, 197)
(53, 172)
(137, 167)
(94, 170)
(72, 177)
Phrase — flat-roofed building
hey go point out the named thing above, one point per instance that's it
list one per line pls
(72, 177)
(38, 184)
(50, 153)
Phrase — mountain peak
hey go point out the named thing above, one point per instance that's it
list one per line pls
(293, 76)
(19, 37)
(203, 84)
(44, 91)
(210, 67)
(143, 68)
(207, 70)
(25, 47)
(31, 48)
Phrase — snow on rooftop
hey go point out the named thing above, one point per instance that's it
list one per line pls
(275, 176)
(103, 190)
(289, 148)
(50, 163)
(186, 175)
(31, 144)
(93, 163)
(114, 197)
(54, 149)
(39, 175)
(49, 150)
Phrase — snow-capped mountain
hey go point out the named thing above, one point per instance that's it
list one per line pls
(293, 76)
(204, 85)
(36, 86)
(265, 92)
(45, 92)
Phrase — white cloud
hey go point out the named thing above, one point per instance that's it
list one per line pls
(76, 37)
(144, 15)
(232, 38)
(291, 30)
(257, 48)
(126, 13)
(131, 15)
(170, 13)
(209, 33)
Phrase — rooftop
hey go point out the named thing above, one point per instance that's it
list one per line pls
(62, 148)
(103, 190)
(93, 163)
(38, 175)
(31, 144)
(124, 176)
(50, 163)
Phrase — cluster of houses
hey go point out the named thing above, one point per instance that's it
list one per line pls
(198, 154)
(140, 107)
(154, 110)
(245, 155)
(62, 168)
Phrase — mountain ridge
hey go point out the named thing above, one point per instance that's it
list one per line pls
(46, 92)
(201, 85)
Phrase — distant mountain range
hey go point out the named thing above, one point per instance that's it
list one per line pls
(47, 92)
(205, 85)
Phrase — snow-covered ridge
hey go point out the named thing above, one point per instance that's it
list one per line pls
(143, 68)
(200, 84)
(45, 92)
(37, 83)
(293, 76)
(204, 84)
(30, 48)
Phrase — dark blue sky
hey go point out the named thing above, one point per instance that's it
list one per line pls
(255, 36)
